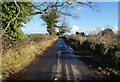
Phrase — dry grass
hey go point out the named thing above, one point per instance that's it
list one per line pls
(20, 55)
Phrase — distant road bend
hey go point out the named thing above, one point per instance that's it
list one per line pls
(59, 63)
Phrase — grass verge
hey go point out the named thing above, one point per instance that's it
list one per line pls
(16, 59)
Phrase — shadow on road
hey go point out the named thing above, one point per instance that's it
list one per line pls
(58, 63)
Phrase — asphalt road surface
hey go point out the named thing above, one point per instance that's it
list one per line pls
(59, 63)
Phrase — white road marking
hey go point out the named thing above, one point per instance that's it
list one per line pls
(76, 73)
(58, 56)
(56, 79)
(71, 48)
(59, 68)
(67, 72)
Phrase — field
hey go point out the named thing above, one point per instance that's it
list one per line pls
(19, 55)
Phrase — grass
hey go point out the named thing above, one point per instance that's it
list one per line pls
(22, 55)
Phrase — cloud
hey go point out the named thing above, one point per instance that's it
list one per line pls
(97, 30)
(87, 31)
(74, 29)
(115, 29)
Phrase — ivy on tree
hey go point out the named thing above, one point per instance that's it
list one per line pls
(51, 20)
(9, 12)
(14, 14)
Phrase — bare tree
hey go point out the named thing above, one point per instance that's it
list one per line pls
(64, 27)
(66, 8)
(63, 8)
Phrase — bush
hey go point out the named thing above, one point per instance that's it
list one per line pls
(103, 48)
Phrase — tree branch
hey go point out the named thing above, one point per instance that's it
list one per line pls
(14, 17)
(37, 13)
(47, 8)
(61, 5)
